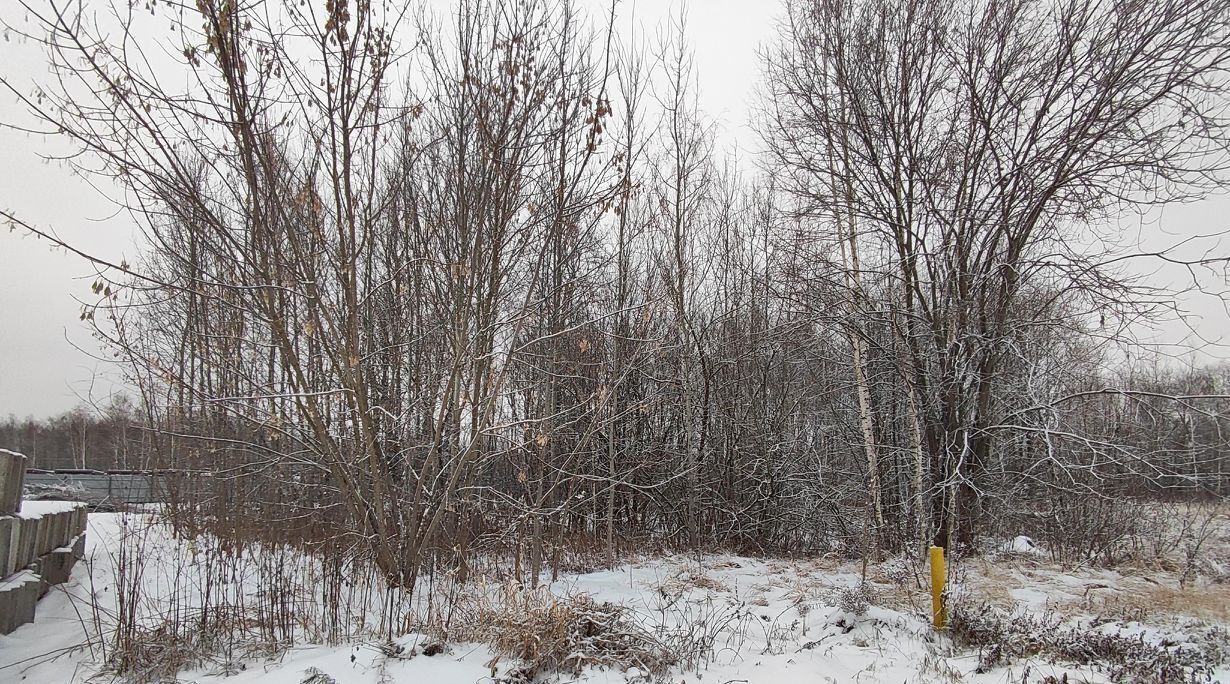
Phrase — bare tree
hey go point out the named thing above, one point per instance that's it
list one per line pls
(429, 292)
(977, 144)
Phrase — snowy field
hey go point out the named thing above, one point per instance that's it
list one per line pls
(713, 619)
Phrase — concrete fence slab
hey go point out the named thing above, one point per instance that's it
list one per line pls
(39, 545)
(12, 476)
(18, 598)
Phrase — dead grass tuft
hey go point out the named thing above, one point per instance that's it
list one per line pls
(546, 633)
(1209, 603)
(688, 578)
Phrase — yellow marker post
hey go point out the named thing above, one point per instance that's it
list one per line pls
(939, 615)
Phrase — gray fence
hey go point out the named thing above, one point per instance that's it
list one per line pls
(96, 487)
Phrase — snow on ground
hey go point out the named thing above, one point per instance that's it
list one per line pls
(773, 621)
(54, 648)
(38, 509)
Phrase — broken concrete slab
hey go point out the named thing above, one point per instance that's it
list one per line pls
(18, 597)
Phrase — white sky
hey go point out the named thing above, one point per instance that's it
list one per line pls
(44, 365)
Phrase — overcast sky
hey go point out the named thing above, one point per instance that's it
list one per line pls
(42, 372)
(46, 353)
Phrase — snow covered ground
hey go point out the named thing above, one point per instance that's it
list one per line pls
(747, 620)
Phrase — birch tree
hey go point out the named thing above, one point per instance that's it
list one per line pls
(981, 143)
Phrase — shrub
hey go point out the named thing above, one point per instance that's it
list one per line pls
(1001, 638)
(854, 600)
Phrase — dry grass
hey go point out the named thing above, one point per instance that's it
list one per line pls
(1142, 599)
(758, 599)
(543, 633)
(703, 581)
(1002, 638)
(994, 581)
(1132, 591)
(688, 578)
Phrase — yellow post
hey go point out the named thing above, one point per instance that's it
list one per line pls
(939, 614)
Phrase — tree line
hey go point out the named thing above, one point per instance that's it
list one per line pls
(427, 288)
(107, 437)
